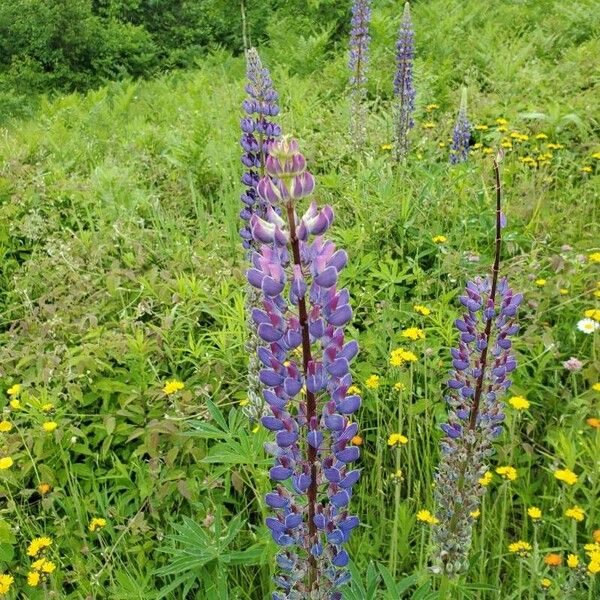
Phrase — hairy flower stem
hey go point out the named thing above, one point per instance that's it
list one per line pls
(311, 402)
(495, 271)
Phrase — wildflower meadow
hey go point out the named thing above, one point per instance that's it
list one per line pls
(300, 300)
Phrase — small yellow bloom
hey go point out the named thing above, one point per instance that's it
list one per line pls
(553, 559)
(44, 488)
(5, 426)
(414, 334)
(6, 462)
(545, 583)
(501, 121)
(387, 146)
(506, 145)
(353, 389)
(566, 475)
(6, 582)
(97, 523)
(442, 239)
(398, 475)
(428, 125)
(15, 404)
(541, 136)
(431, 107)
(596, 387)
(592, 313)
(424, 516)
(594, 257)
(487, 150)
(397, 439)
(33, 579)
(576, 513)
(586, 169)
(15, 390)
(509, 473)
(534, 512)
(442, 144)
(357, 440)
(486, 479)
(47, 407)
(520, 547)
(596, 155)
(475, 514)
(519, 403)
(244, 402)
(399, 356)
(399, 386)
(172, 386)
(563, 291)
(540, 282)
(37, 545)
(422, 310)
(49, 426)
(44, 566)
(481, 128)
(502, 129)
(593, 422)
(372, 382)
(477, 146)
(594, 567)
(572, 561)
(596, 536)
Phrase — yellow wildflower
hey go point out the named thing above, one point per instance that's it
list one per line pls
(47, 407)
(414, 334)
(387, 146)
(49, 426)
(372, 382)
(475, 514)
(422, 310)
(397, 439)
(506, 144)
(509, 473)
(244, 402)
(15, 390)
(399, 386)
(15, 404)
(424, 516)
(596, 387)
(97, 523)
(540, 282)
(586, 169)
(37, 545)
(442, 144)
(172, 386)
(357, 440)
(431, 107)
(594, 257)
(545, 583)
(519, 403)
(44, 488)
(353, 389)
(428, 125)
(502, 129)
(44, 566)
(520, 547)
(541, 136)
(6, 582)
(477, 146)
(566, 475)
(572, 561)
(481, 127)
(593, 422)
(596, 536)
(487, 150)
(6, 462)
(486, 479)
(553, 146)
(501, 121)
(553, 560)
(596, 155)
(5, 426)
(592, 313)
(563, 291)
(594, 567)
(534, 512)
(442, 239)
(33, 578)
(576, 513)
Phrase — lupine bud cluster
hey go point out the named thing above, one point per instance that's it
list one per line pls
(306, 362)
(482, 365)
(358, 61)
(461, 135)
(403, 83)
(258, 133)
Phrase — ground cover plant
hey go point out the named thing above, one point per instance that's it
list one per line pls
(132, 463)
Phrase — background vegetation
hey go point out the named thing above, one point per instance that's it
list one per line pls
(122, 269)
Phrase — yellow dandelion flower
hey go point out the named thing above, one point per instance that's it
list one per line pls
(553, 560)
(534, 513)
(47, 407)
(372, 382)
(442, 144)
(431, 107)
(414, 334)
(572, 561)
(541, 136)
(424, 516)
(6, 462)
(97, 523)
(502, 129)
(509, 473)
(172, 386)
(37, 545)
(596, 155)
(422, 310)
(540, 282)
(357, 440)
(481, 127)
(596, 387)
(506, 145)
(520, 547)
(501, 121)
(553, 146)
(33, 578)
(442, 239)
(5, 426)
(6, 582)
(44, 488)
(244, 402)
(15, 404)
(428, 125)
(49, 426)
(487, 150)
(545, 583)
(15, 390)
(593, 422)
(519, 403)
(563, 291)
(48, 567)
(576, 513)
(399, 386)
(594, 257)
(477, 145)
(397, 439)
(586, 169)
(354, 390)
(475, 514)
(594, 567)
(387, 147)
(566, 475)
(592, 313)
(486, 479)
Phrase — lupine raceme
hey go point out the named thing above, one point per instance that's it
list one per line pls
(357, 63)
(461, 135)
(258, 133)
(404, 90)
(482, 365)
(306, 378)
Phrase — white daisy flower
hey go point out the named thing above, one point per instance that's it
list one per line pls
(587, 325)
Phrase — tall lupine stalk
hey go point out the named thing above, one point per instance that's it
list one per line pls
(258, 133)
(357, 63)
(461, 135)
(306, 380)
(404, 90)
(482, 364)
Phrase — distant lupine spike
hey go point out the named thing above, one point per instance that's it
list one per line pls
(404, 90)
(358, 62)
(461, 136)
(482, 365)
(258, 133)
(306, 378)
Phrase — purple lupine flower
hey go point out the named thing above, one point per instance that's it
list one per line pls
(404, 90)
(306, 378)
(357, 63)
(461, 135)
(258, 133)
(482, 366)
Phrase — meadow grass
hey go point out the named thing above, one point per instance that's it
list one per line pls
(122, 269)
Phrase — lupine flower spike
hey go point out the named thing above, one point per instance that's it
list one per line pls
(359, 58)
(258, 133)
(306, 379)
(459, 149)
(482, 365)
(404, 90)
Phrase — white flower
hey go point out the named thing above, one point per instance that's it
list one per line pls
(587, 325)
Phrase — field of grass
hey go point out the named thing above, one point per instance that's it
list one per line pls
(121, 269)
